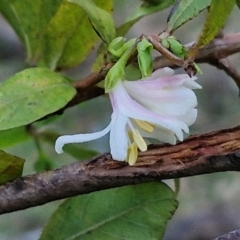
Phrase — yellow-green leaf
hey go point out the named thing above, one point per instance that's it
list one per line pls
(69, 36)
(10, 167)
(185, 11)
(30, 95)
(55, 33)
(217, 15)
(138, 212)
(29, 19)
(100, 19)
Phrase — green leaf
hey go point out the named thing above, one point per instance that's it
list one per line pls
(29, 19)
(137, 212)
(30, 95)
(70, 37)
(218, 13)
(101, 20)
(10, 167)
(142, 11)
(11, 137)
(185, 11)
(55, 33)
(79, 153)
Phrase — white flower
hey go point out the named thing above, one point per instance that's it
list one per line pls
(160, 107)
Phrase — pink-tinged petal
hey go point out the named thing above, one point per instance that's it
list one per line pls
(132, 109)
(170, 101)
(161, 72)
(118, 137)
(164, 82)
(79, 138)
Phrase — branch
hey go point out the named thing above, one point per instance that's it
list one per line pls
(208, 153)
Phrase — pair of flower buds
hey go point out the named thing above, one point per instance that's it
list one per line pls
(160, 107)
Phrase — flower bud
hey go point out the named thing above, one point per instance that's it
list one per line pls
(144, 49)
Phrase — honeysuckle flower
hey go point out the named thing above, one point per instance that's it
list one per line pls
(161, 107)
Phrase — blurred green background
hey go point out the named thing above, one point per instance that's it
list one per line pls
(209, 204)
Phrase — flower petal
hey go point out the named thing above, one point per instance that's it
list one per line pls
(189, 118)
(171, 101)
(167, 81)
(79, 138)
(118, 136)
(161, 72)
(132, 109)
(191, 84)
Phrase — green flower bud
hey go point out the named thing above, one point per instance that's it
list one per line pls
(144, 49)
(165, 43)
(119, 45)
(115, 46)
(116, 73)
(175, 46)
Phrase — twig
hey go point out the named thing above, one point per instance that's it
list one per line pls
(208, 153)
(218, 49)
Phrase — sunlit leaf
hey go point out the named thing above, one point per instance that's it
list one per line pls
(185, 11)
(136, 212)
(29, 19)
(56, 33)
(217, 15)
(142, 11)
(69, 36)
(100, 19)
(10, 167)
(30, 95)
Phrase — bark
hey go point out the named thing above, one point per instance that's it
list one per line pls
(200, 154)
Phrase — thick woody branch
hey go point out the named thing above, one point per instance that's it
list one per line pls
(214, 152)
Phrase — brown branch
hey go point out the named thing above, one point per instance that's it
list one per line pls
(208, 153)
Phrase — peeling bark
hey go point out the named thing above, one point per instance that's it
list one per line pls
(200, 154)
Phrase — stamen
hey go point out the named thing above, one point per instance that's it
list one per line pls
(132, 154)
(144, 125)
(138, 139)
